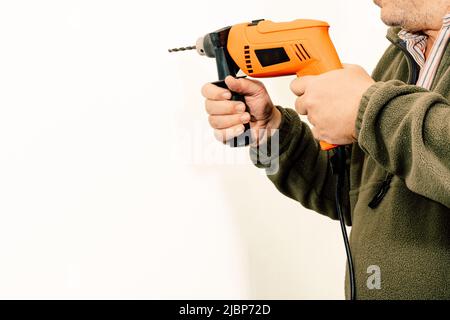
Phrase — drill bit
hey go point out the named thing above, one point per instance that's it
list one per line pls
(183, 49)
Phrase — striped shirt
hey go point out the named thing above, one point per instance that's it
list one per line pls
(416, 44)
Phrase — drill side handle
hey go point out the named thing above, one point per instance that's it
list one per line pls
(245, 138)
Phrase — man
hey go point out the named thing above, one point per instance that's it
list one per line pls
(397, 128)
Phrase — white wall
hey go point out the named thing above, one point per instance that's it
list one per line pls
(111, 185)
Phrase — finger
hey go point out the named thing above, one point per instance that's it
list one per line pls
(320, 136)
(225, 122)
(349, 66)
(311, 120)
(244, 86)
(225, 135)
(224, 107)
(299, 85)
(213, 92)
(316, 133)
(301, 105)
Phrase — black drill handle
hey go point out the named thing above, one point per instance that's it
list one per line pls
(245, 138)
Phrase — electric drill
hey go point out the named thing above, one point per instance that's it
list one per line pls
(263, 49)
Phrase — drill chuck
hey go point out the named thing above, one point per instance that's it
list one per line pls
(204, 47)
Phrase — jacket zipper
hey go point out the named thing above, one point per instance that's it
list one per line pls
(413, 77)
(385, 186)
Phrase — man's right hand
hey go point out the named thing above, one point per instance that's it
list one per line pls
(228, 118)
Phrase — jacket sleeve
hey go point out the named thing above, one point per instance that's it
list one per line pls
(406, 129)
(303, 172)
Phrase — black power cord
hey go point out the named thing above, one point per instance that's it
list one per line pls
(338, 165)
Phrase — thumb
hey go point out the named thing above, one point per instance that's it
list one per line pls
(243, 86)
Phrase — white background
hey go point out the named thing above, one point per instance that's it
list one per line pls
(111, 184)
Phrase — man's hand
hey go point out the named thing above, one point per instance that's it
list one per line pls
(331, 102)
(229, 117)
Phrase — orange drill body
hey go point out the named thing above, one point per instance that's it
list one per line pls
(268, 49)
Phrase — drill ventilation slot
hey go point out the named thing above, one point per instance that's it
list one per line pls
(248, 60)
(301, 52)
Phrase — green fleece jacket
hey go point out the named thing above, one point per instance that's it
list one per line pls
(403, 142)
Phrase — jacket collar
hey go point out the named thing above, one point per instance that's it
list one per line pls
(393, 36)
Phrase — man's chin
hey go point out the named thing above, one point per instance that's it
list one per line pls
(392, 21)
(398, 23)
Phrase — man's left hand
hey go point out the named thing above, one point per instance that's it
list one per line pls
(331, 102)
